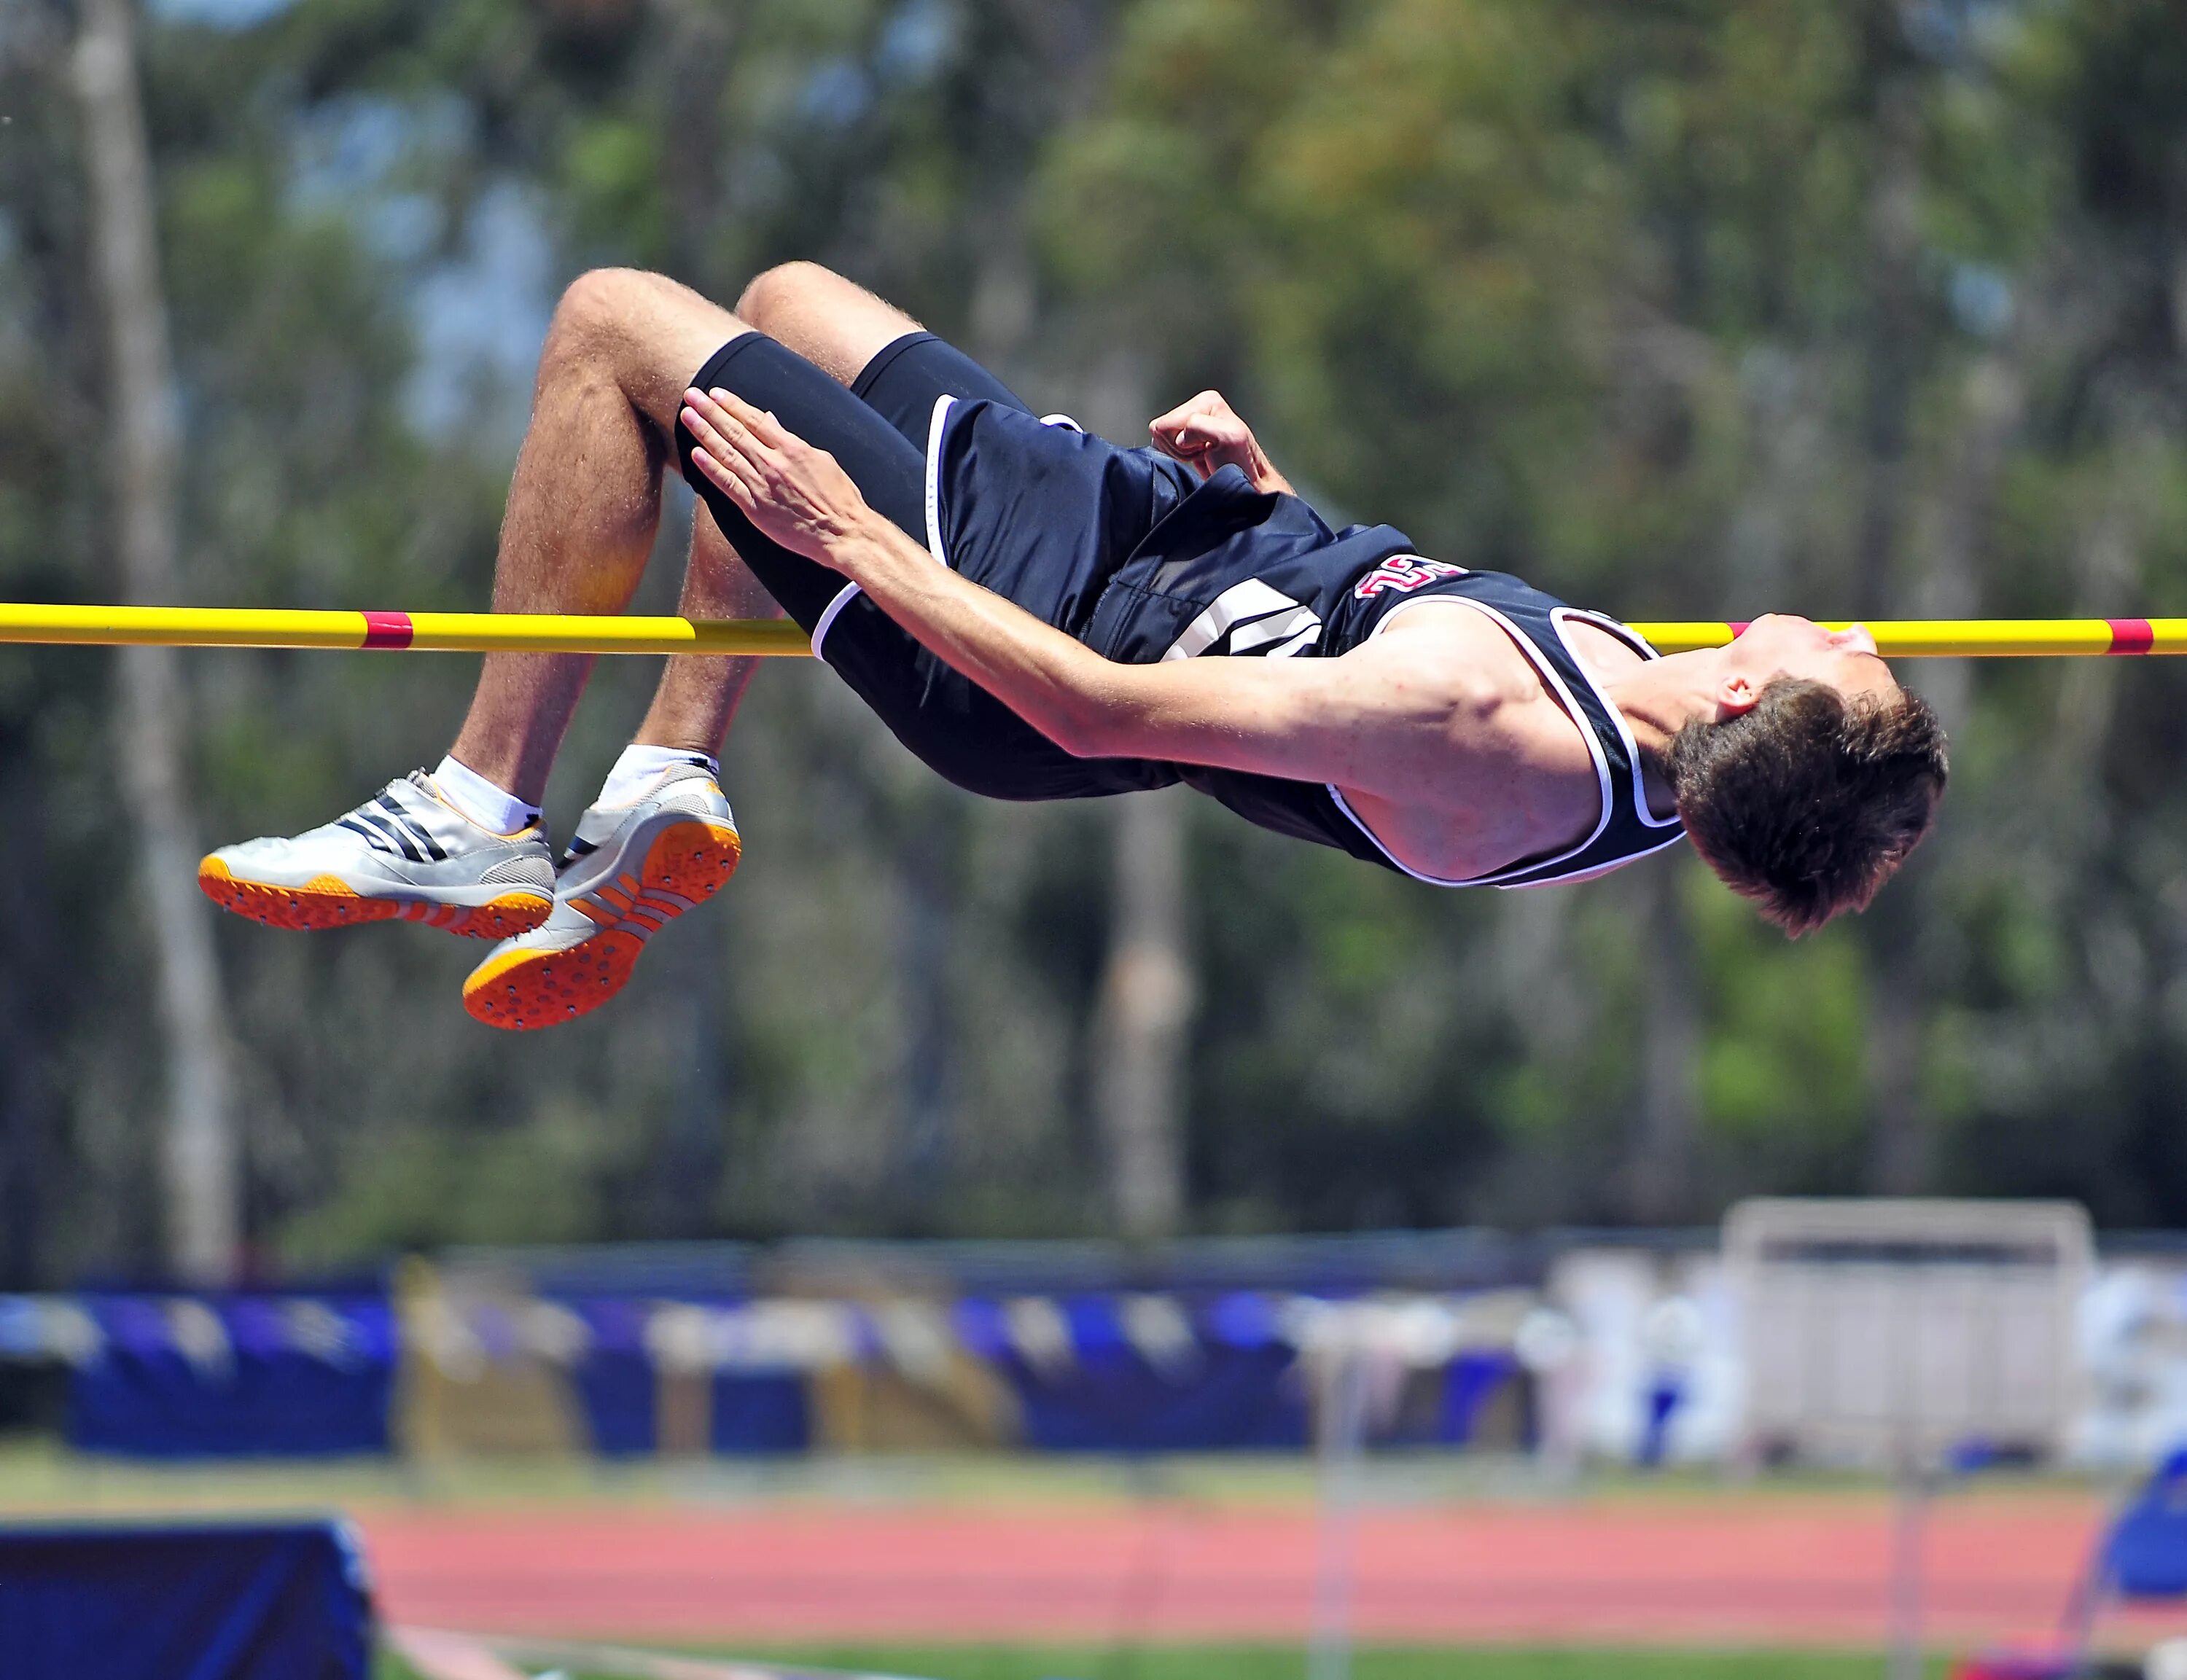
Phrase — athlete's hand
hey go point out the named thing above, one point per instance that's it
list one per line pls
(1206, 435)
(798, 495)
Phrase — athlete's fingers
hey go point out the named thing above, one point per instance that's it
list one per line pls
(725, 424)
(728, 427)
(729, 470)
(723, 462)
(1223, 428)
(789, 458)
(1208, 402)
(760, 422)
(708, 421)
(720, 478)
(1179, 436)
(718, 440)
(777, 516)
(723, 479)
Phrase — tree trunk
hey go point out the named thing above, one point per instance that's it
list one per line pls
(1147, 990)
(144, 427)
(32, 946)
(1146, 1003)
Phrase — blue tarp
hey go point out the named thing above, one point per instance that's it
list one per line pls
(1235, 1387)
(753, 1412)
(220, 1601)
(179, 1376)
(214, 1376)
(2145, 1554)
(1468, 1383)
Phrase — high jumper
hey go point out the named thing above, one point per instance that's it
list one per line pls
(1039, 614)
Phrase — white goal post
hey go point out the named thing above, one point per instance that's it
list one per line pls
(1895, 1332)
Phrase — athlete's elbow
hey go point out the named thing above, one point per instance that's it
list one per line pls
(1082, 734)
(1089, 726)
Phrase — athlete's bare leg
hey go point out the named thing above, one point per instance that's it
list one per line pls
(838, 326)
(698, 692)
(835, 324)
(583, 508)
(583, 511)
(585, 502)
(586, 499)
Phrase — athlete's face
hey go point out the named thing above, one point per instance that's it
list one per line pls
(1783, 644)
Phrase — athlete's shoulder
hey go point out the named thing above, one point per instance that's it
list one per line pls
(1451, 634)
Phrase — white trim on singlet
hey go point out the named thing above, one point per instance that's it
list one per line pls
(1558, 616)
(1549, 675)
(829, 614)
(942, 405)
(843, 596)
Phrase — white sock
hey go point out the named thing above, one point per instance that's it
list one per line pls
(495, 809)
(639, 767)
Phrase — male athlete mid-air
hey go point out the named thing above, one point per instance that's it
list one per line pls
(1039, 614)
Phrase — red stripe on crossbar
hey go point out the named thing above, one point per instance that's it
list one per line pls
(387, 630)
(2131, 635)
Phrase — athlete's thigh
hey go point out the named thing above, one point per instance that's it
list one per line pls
(886, 358)
(835, 324)
(905, 380)
(889, 472)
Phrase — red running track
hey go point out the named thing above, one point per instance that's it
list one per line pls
(1739, 1570)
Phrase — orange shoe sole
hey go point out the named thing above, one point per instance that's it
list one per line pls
(526, 990)
(327, 902)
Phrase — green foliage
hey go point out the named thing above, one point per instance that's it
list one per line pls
(1679, 309)
(1782, 1059)
(1701, 310)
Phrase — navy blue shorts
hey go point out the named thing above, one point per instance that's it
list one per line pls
(1042, 514)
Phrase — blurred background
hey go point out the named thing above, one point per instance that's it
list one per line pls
(1681, 309)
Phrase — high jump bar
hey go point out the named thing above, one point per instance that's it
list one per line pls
(554, 633)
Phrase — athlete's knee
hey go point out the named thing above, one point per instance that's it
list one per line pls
(594, 310)
(641, 333)
(785, 287)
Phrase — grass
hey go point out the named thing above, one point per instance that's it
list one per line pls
(40, 1476)
(1274, 1662)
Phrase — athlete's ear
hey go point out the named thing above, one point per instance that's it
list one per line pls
(1736, 692)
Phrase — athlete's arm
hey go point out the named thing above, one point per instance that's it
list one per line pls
(1207, 434)
(1383, 719)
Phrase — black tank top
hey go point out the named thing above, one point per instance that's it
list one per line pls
(1236, 573)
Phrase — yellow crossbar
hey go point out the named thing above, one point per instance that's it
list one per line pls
(491, 633)
(439, 633)
(1969, 637)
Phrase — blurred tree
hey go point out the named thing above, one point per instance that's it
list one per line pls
(1145, 1007)
(1679, 307)
(203, 1212)
(1710, 309)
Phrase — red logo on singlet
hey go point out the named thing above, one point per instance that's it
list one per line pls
(1404, 574)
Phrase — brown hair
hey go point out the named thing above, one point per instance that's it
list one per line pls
(1807, 803)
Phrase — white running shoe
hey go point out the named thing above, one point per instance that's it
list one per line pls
(630, 869)
(403, 854)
